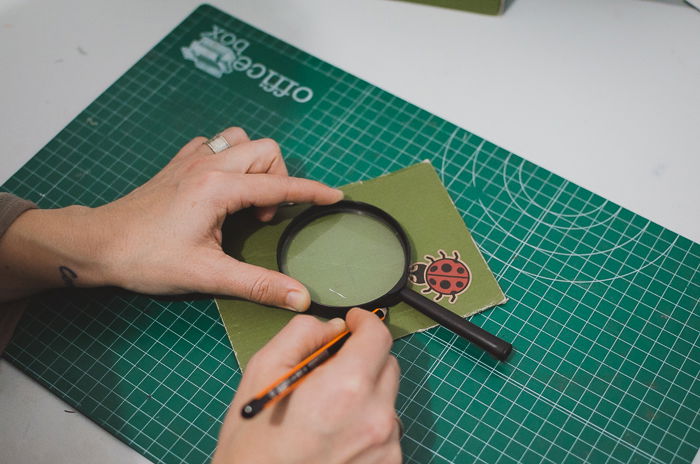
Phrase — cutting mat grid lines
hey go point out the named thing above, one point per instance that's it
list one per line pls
(602, 304)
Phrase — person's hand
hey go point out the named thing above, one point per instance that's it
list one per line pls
(165, 236)
(343, 412)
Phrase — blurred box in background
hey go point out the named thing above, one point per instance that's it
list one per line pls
(490, 7)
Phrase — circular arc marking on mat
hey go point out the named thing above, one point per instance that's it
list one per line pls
(508, 233)
(532, 200)
(506, 178)
(555, 279)
(445, 152)
(662, 254)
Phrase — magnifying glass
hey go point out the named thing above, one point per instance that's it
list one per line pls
(354, 254)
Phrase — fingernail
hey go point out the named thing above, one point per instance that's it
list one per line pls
(338, 323)
(341, 194)
(296, 301)
(267, 216)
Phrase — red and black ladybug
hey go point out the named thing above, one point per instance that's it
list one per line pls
(444, 276)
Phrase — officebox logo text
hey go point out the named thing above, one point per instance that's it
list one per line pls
(219, 52)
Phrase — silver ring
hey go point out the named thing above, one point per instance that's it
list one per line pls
(399, 422)
(217, 143)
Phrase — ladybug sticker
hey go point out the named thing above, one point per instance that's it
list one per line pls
(445, 276)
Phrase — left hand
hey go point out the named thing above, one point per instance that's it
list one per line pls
(165, 236)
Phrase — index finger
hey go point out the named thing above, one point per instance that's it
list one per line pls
(271, 190)
(367, 349)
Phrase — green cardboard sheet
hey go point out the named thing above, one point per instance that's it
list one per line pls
(416, 198)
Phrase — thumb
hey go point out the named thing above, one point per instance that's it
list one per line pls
(255, 283)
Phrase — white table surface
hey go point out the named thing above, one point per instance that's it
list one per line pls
(603, 92)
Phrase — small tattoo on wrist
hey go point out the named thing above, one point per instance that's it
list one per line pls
(68, 275)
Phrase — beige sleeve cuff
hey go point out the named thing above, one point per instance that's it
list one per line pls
(10, 313)
(10, 208)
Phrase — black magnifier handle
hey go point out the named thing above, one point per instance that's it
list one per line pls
(496, 347)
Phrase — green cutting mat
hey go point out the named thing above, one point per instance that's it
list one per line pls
(602, 308)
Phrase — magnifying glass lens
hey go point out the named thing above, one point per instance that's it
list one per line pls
(345, 258)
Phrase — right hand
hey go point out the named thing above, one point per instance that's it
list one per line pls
(342, 413)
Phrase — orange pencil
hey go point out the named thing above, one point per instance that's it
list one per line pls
(289, 381)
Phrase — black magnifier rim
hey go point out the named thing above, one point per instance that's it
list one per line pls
(354, 207)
